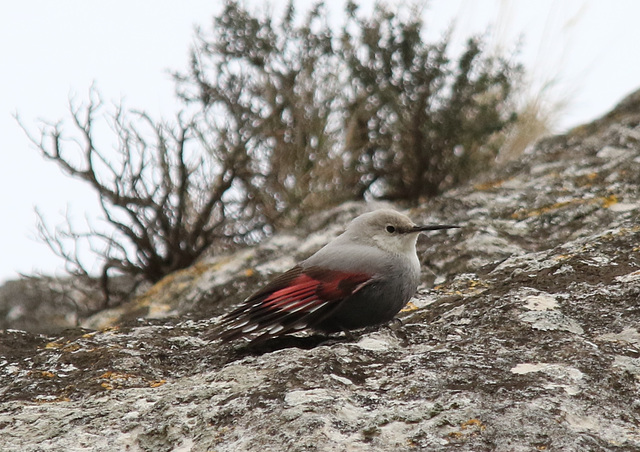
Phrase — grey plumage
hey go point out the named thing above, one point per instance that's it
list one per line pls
(361, 278)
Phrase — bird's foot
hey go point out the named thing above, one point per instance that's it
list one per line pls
(395, 324)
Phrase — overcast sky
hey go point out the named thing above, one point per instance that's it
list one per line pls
(53, 50)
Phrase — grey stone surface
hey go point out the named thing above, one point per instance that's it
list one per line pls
(524, 336)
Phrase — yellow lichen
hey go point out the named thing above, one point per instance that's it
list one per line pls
(110, 375)
(409, 307)
(604, 201)
(54, 345)
(473, 423)
(609, 201)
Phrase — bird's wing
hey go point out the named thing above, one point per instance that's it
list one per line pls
(295, 300)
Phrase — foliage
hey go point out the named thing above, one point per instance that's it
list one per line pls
(372, 111)
(417, 123)
(272, 90)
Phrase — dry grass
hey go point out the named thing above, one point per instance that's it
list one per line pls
(546, 95)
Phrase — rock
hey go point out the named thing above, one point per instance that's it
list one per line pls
(529, 339)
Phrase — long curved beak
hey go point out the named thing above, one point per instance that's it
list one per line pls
(433, 227)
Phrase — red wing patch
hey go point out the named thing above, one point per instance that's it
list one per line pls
(293, 301)
(314, 287)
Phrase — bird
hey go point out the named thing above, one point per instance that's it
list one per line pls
(362, 278)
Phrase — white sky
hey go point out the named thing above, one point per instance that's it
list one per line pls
(51, 50)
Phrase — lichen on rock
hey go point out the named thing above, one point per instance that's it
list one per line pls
(523, 336)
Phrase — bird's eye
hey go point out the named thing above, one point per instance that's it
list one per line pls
(390, 229)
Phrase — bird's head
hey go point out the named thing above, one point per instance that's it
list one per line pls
(388, 230)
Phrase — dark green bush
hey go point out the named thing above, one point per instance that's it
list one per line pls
(372, 110)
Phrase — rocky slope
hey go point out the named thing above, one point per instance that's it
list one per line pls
(524, 336)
